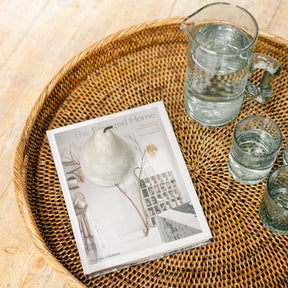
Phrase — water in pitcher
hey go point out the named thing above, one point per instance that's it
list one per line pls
(215, 81)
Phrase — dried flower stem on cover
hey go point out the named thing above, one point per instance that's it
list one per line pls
(145, 218)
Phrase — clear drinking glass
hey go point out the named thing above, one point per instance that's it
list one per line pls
(273, 210)
(285, 155)
(220, 58)
(255, 145)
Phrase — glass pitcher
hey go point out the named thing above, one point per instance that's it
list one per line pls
(221, 39)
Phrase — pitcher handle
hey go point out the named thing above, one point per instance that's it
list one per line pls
(273, 69)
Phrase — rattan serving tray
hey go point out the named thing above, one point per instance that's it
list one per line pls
(134, 67)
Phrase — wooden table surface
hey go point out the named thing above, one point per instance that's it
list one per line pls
(37, 38)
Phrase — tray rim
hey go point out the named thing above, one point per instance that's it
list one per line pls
(20, 159)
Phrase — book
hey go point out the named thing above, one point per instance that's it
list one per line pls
(151, 211)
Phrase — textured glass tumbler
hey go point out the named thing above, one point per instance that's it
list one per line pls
(285, 155)
(273, 210)
(255, 145)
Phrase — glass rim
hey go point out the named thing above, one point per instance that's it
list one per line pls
(285, 154)
(247, 47)
(268, 181)
(261, 117)
(286, 148)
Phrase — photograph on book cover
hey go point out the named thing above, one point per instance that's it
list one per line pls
(124, 216)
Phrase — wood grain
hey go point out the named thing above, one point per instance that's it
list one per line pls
(36, 39)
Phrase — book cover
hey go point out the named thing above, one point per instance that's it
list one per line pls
(128, 193)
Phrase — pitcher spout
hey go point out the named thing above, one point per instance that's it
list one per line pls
(186, 28)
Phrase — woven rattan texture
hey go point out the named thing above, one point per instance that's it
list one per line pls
(140, 67)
